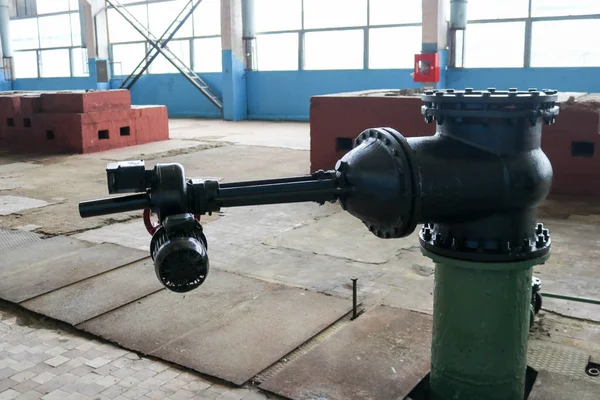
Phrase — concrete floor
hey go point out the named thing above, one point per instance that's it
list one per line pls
(303, 245)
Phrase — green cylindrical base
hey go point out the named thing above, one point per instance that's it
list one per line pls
(480, 327)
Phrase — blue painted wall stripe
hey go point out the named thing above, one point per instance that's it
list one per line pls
(286, 95)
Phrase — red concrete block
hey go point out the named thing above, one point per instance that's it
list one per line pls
(10, 107)
(31, 104)
(152, 123)
(59, 133)
(336, 120)
(108, 130)
(83, 102)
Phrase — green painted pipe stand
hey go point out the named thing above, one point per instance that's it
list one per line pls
(480, 328)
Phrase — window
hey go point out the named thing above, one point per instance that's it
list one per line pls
(79, 60)
(334, 13)
(389, 12)
(289, 15)
(161, 15)
(26, 64)
(207, 18)
(181, 48)
(55, 31)
(551, 8)
(76, 34)
(74, 5)
(490, 45)
(407, 43)
(277, 52)
(334, 49)
(207, 55)
(486, 9)
(55, 63)
(565, 43)
(52, 6)
(120, 30)
(24, 34)
(127, 56)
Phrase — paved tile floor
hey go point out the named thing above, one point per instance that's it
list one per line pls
(40, 359)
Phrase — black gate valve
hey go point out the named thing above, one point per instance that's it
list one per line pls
(474, 185)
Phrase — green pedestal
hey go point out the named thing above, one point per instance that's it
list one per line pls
(480, 327)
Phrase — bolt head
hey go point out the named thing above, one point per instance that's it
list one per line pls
(539, 228)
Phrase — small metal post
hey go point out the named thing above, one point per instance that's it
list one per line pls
(354, 301)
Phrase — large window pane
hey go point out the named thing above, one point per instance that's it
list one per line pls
(126, 57)
(548, 8)
(208, 55)
(181, 48)
(288, 15)
(492, 45)
(52, 6)
(207, 18)
(24, 33)
(55, 31)
(334, 50)
(565, 44)
(486, 9)
(161, 15)
(277, 52)
(389, 12)
(334, 13)
(79, 58)
(74, 5)
(120, 30)
(55, 63)
(406, 43)
(26, 64)
(75, 29)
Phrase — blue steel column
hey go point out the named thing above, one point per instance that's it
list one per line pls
(434, 34)
(249, 37)
(235, 101)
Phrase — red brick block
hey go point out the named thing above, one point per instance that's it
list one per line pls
(58, 133)
(10, 107)
(152, 123)
(336, 120)
(108, 130)
(84, 102)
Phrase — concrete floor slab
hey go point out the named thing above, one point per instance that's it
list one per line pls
(231, 327)
(571, 269)
(14, 204)
(129, 234)
(290, 135)
(356, 243)
(381, 355)
(12, 261)
(31, 279)
(553, 386)
(253, 335)
(12, 239)
(97, 295)
(149, 150)
(16, 167)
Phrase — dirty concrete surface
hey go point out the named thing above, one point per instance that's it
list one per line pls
(301, 245)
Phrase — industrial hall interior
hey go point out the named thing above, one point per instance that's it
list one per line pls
(299, 199)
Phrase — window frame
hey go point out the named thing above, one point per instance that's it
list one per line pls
(529, 21)
(39, 48)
